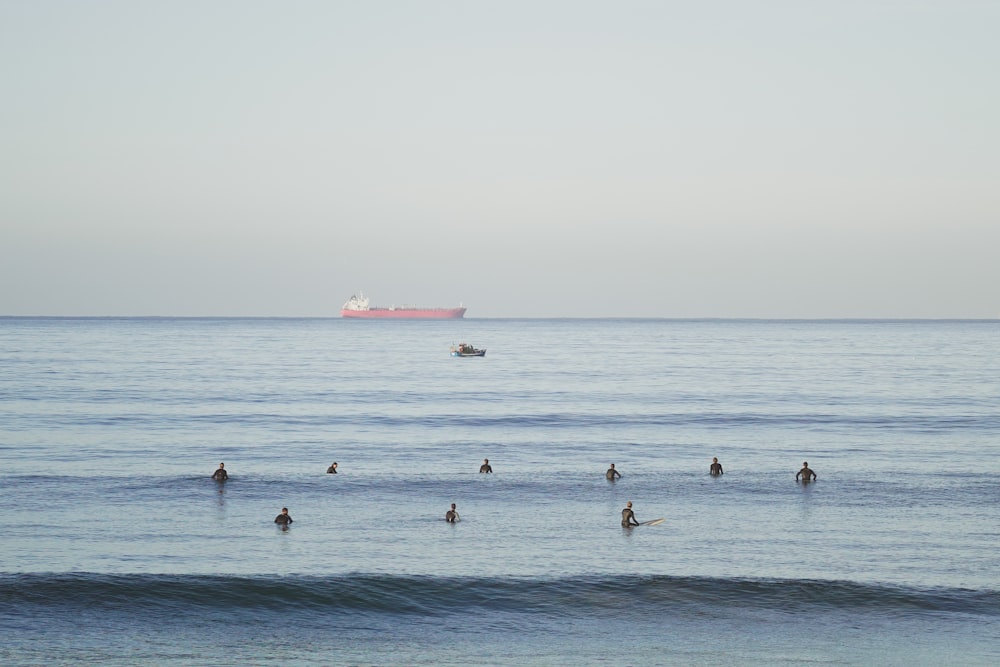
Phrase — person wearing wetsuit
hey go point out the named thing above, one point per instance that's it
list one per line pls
(283, 519)
(451, 516)
(612, 474)
(716, 468)
(806, 474)
(628, 516)
(486, 467)
(333, 468)
(220, 475)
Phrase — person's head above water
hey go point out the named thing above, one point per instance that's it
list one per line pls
(628, 504)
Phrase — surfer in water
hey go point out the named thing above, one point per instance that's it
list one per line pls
(806, 473)
(716, 468)
(612, 474)
(486, 467)
(451, 516)
(284, 518)
(628, 516)
(332, 469)
(220, 475)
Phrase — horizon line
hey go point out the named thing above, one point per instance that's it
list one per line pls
(514, 317)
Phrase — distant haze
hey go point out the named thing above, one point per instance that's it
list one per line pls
(574, 159)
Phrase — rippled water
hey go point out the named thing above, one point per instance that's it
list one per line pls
(116, 542)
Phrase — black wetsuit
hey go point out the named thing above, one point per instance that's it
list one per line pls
(332, 470)
(220, 475)
(715, 469)
(486, 467)
(283, 519)
(451, 516)
(807, 475)
(612, 473)
(628, 518)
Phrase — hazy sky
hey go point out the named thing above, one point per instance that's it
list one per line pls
(647, 159)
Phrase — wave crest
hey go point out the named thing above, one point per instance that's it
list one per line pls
(370, 593)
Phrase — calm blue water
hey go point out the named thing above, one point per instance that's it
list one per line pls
(118, 549)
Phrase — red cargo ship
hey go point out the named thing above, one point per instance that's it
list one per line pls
(357, 307)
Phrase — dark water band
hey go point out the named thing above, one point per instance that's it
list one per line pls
(586, 595)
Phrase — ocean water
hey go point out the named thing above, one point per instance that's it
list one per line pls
(118, 549)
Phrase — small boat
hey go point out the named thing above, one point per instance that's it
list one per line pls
(466, 350)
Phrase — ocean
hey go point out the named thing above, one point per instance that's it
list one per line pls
(118, 548)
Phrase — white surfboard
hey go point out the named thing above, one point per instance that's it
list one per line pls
(653, 522)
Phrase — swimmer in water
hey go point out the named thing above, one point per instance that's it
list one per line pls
(486, 467)
(333, 468)
(612, 474)
(284, 518)
(628, 516)
(716, 468)
(220, 475)
(451, 516)
(806, 473)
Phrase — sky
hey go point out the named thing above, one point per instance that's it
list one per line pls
(771, 159)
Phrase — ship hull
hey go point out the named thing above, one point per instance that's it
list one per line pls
(405, 314)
